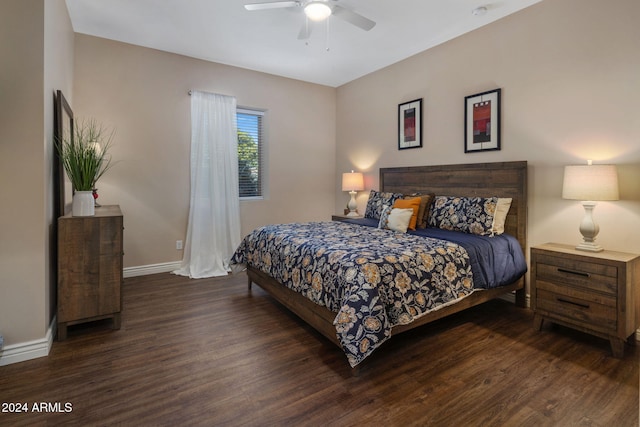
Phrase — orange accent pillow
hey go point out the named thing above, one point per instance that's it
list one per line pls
(410, 203)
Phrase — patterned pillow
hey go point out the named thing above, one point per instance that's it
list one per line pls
(396, 219)
(472, 215)
(377, 201)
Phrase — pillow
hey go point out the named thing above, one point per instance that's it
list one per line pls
(474, 215)
(425, 205)
(395, 219)
(499, 218)
(413, 203)
(384, 216)
(377, 201)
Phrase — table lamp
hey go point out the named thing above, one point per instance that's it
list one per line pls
(590, 183)
(352, 182)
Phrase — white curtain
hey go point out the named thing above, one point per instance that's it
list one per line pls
(213, 232)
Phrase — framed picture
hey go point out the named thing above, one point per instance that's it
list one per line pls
(482, 121)
(410, 124)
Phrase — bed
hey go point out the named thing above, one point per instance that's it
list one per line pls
(358, 284)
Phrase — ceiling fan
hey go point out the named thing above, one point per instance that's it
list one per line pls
(317, 10)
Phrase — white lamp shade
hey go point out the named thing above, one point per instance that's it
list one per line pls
(352, 181)
(590, 182)
(317, 10)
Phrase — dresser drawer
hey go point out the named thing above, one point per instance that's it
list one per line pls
(580, 274)
(581, 307)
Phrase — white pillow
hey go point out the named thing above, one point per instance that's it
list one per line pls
(500, 215)
(397, 220)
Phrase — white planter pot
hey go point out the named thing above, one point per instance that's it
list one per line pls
(83, 204)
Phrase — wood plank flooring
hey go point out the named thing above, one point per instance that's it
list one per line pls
(207, 352)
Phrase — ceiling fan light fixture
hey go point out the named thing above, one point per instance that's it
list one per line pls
(317, 10)
(479, 11)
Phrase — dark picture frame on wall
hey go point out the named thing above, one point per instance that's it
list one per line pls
(410, 124)
(63, 129)
(482, 121)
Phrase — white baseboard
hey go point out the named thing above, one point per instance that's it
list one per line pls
(144, 270)
(29, 350)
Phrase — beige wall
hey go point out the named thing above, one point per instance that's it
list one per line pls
(58, 75)
(36, 41)
(143, 94)
(569, 73)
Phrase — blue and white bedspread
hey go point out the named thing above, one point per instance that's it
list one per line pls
(373, 279)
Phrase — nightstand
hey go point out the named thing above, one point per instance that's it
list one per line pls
(594, 292)
(343, 217)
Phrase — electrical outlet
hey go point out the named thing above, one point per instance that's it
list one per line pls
(179, 245)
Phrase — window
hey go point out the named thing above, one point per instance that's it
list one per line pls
(250, 152)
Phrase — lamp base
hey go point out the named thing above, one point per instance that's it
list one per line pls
(589, 229)
(353, 205)
(589, 247)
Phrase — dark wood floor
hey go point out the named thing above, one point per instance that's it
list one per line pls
(205, 352)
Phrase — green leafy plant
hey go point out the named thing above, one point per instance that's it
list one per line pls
(84, 157)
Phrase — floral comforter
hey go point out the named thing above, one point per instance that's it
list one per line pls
(372, 278)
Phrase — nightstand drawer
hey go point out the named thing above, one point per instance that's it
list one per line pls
(587, 275)
(581, 307)
(579, 312)
(583, 294)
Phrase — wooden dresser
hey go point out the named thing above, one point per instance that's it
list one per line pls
(89, 268)
(595, 292)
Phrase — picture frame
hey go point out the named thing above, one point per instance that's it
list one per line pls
(410, 124)
(63, 128)
(482, 121)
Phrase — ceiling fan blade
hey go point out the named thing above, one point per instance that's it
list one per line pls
(353, 18)
(271, 5)
(305, 31)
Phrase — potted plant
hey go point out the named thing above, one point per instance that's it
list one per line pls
(84, 158)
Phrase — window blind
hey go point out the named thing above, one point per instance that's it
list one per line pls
(250, 152)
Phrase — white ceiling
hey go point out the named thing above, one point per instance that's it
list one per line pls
(224, 31)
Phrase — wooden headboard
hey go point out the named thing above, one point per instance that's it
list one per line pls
(502, 179)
